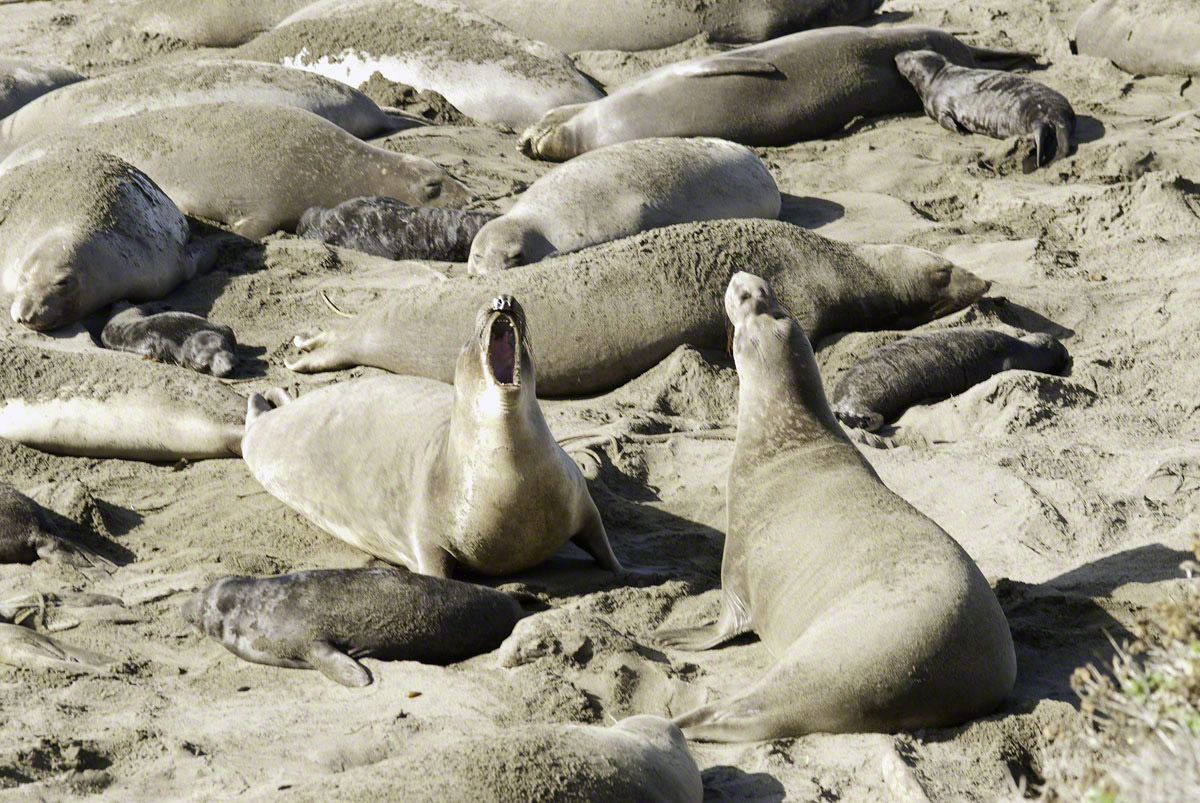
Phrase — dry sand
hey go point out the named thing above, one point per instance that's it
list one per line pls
(1076, 495)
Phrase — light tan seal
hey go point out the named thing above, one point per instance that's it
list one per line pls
(879, 621)
(1143, 37)
(80, 229)
(211, 23)
(624, 189)
(256, 167)
(432, 476)
(23, 80)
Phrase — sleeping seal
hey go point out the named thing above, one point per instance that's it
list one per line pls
(611, 312)
(392, 229)
(878, 620)
(991, 102)
(256, 166)
(931, 365)
(1143, 37)
(797, 87)
(622, 189)
(25, 536)
(328, 619)
(22, 81)
(210, 23)
(178, 338)
(80, 229)
(434, 476)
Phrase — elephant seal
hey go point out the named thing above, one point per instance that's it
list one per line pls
(22, 81)
(488, 72)
(25, 536)
(385, 227)
(803, 86)
(80, 229)
(611, 312)
(572, 25)
(991, 102)
(480, 483)
(931, 365)
(97, 403)
(641, 758)
(878, 620)
(20, 646)
(210, 23)
(177, 338)
(644, 184)
(1142, 37)
(255, 166)
(187, 83)
(327, 619)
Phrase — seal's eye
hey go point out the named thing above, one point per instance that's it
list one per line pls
(744, 297)
(61, 283)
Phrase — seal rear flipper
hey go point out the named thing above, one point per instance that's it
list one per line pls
(728, 65)
(337, 666)
(63, 550)
(20, 646)
(1002, 59)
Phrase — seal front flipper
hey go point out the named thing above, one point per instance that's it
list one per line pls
(728, 65)
(434, 561)
(733, 621)
(337, 666)
(593, 540)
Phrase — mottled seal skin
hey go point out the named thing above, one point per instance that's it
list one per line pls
(80, 229)
(573, 25)
(25, 536)
(608, 313)
(645, 184)
(392, 229)
(434, 476)
(327, 619)
(932, 365)
(22, 81)
(803, 86)
(255, 167)
(177, 338)
(1142, 37)
(991, 102)
(878, 620)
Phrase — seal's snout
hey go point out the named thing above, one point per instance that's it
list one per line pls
(39, 315)
(223, 363)
(503, 358)
(747, 295)
(191, 611)
(502, 303)
(917, 64)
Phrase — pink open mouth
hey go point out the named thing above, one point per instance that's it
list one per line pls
(502, 350)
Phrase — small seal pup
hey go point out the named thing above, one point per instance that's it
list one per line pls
(25, 536)
(803, 86)
(879, 621)
(481, 482)
(611, 312)
(1142, 37)
(80, 229)
(991, 102)
(22, 81)
(931, 365)
(641, 759)
(256, 166)
(329, 618)
(176, 338)
(645, 184)
(392, 229)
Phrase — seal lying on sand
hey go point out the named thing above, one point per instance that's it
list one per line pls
(623, 189)
(25, 536)
(611, 312)
(187, 83)
(488, 72)
(254, 166)
(178, 338)
(480, 482)
(572, 25)
(1143, 37)
(82, 229)
(392, 229)
(211, 23)
(327, 619)
(20, 646)
(991, 102)
(22, 81)
(642, 758)
(931, 365)
(98, 403)
(878, 619)
(797, 87)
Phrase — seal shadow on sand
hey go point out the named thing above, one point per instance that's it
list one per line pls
(117, 521)
(723, 782)
(807, 212)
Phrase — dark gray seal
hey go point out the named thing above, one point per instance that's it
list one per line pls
(26, 535)
(178, 338)
(22, 81)
(991, 102)
(931, 365)
(392, 229)
(327, 619)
